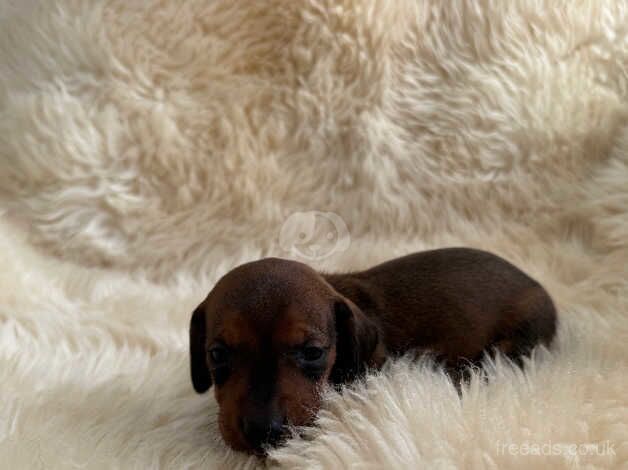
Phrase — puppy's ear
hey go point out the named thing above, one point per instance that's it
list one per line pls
(201, 380)
(357, 338)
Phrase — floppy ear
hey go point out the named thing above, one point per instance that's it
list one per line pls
(357, 338)
(201, 380)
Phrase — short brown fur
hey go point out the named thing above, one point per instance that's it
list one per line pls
(255, 334)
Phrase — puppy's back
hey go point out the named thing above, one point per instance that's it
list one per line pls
(458, 301)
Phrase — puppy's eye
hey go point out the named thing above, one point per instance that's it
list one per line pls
(312, 353)
(219, 355)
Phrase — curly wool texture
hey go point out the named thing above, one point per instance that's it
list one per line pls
(148, 147)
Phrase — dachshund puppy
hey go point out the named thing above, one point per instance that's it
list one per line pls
(272, 332)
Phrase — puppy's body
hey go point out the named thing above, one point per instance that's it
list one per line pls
(272, 332)
(455, 302)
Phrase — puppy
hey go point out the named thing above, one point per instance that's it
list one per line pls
(272, 332)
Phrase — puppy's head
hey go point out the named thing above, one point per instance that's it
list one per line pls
(268, 337)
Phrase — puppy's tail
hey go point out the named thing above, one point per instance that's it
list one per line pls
(535, 323)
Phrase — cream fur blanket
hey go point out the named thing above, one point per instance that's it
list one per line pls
(146, 147)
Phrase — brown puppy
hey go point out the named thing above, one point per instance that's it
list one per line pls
(273, 331)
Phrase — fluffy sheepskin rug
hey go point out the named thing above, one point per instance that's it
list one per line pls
(147, 147)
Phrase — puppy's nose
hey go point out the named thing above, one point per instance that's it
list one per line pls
(263, 431)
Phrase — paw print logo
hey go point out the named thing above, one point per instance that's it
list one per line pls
(314, 235)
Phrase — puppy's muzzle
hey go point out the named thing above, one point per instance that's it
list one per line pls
(263, 431)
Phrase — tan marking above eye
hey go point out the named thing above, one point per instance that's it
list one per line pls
(298, 335)
(236, 332)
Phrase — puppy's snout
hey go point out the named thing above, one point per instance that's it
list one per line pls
(262, 431)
